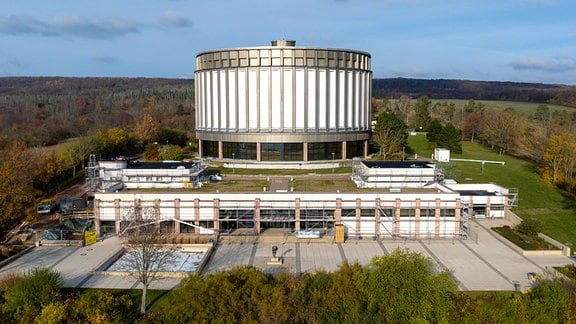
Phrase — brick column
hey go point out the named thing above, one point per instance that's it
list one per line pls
(257, 216)
(117, 215)
(305, 151)
(358, 216)
(437, 218)
(343, 150)
(457, 218)
(417, 218)
(220, 153)
(338, 211)
(297, 215)
(377, 217)
(97, 217)
(197, 215)
(157, 214)
(177, 215)
(397, 217)
(216, 215)
(258, 151)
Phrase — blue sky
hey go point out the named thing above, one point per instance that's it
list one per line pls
(489, 40)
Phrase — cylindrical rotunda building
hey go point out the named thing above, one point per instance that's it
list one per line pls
(283, 103)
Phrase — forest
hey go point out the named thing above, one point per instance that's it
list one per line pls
(475, 90)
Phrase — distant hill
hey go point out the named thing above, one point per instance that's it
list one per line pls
(477, 90)
(382, 88)
(77, 86)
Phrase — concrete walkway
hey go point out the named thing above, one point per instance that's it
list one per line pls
(482, 263)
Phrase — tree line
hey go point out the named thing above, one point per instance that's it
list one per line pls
(402, 287)
(563, 95)
(545, 137)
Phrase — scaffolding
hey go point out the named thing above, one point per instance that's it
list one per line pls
(92, 176)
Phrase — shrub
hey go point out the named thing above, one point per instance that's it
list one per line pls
(530, 227)
(39, 287)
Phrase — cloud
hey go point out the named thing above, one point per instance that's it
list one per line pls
(16, 63)
(174, 19)
(554, 65)
(85, 27)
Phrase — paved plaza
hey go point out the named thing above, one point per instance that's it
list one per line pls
(485, 263)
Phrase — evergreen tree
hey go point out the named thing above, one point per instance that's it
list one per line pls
(434, 131)
(450, 138)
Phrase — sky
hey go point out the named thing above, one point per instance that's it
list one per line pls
(484, 40)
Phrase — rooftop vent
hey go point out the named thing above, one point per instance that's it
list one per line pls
(283, 42)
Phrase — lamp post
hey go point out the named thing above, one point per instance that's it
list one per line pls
(403, 149)
(233, 166)
(332, 162)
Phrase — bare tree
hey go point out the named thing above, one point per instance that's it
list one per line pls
(147, 255)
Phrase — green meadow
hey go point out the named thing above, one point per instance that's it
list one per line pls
(536, 199)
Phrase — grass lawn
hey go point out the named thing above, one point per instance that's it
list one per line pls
(537, 199)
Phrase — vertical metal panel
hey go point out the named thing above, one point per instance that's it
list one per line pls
(209, 110)
(300, 103)
(242, 99)
(311, 104)
(215, 101)
(350, 102)
(289, 95)
(357, 101)
(252, 88)
(342, 118)
(276, 113)
(264, 98)
(323, 113)
(199, 97)
(332, 99)
(223, 115)
(232, 100)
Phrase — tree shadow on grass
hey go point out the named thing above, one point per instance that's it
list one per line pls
(531, 167)
(157, 298)
(569, 201)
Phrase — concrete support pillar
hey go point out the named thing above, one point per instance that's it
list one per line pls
(344, 150)
(258, 151)
(117, 215)
(488, 212)
(200, 150)
(417, 218)
(97, 225)
(177, 215)
(216, 216)
(365, 148)
(297, 215)
(305, 151)
(220, 153)
(257, 216)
